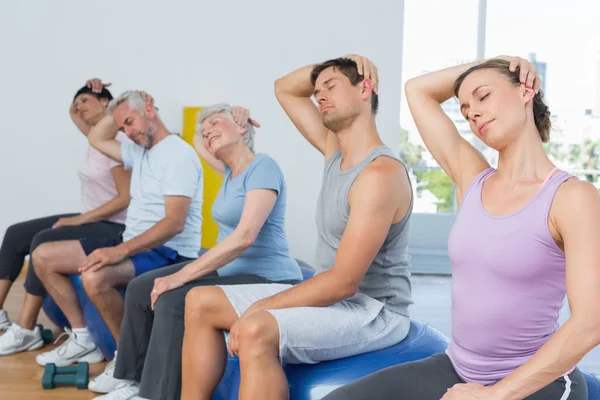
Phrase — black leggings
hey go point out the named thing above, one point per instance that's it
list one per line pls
(22, 239)
(430, 378)
(150, 341)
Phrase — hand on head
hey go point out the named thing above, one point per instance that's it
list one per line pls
(241, 116)
(366, 68)
(96, 85)
(527, 72)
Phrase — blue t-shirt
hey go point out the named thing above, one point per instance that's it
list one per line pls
(169, 168)
(269, 255)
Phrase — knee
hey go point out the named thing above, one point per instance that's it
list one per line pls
(41, 258)
(258, 332)
(94, 283)
(201, 300)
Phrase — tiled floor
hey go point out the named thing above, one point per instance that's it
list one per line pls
(432, 305)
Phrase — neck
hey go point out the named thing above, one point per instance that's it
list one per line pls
(358, 140)
(237, 158)
(161, 133)
(97, 119)
(524, 159)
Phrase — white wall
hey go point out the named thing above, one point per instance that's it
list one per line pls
(185, 53)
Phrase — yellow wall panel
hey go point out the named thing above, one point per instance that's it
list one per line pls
(212, 180)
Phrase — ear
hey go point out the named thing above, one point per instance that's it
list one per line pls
(367, 89)
(149, 111)
(104, 102)
(242, 129)
(527, 94)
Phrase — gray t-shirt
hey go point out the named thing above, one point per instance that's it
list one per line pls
(387, 279)
(170, 168)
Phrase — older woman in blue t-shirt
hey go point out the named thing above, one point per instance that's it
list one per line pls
(252, 248)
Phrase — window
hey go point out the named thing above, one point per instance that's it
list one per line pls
(437, 34)
(564, 42)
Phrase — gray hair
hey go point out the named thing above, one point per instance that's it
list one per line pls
(132, 97)
(136, 102)
(224, 108)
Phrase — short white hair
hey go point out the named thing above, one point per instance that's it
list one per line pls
(134, 100)
(224, 108)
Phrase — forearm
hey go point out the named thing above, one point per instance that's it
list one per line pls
(221, 254)
(320, 291)
(106, 210)
(437, 85)
(82, 126)
(156, 236)
(559, 355)
(296, 83)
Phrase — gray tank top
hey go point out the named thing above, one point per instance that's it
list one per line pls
(387, 279)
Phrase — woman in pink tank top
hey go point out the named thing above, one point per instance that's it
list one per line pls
(526, 235)
(104, 197)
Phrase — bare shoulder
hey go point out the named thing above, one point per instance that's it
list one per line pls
(385, 182)
(575, 198)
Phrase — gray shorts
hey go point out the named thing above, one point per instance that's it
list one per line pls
(308, 335)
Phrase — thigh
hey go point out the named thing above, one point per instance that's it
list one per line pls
(313, 334)
(116, 275)
(64, 257)
(173, 301)
(571, 387)
(426, 379)
(23, 233)
(88, 231)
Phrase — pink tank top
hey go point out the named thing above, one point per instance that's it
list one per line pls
(508, 283)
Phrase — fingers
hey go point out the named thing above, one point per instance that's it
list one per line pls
(375, 79)
(240, 115)
(537, 83)
(254, 123)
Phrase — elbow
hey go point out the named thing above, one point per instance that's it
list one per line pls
(411, 87)
(279, 87)
(246, 240)
(178, 227)
(346, 288)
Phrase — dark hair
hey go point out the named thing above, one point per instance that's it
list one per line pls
(349, 69)
(541, 112)
(104, 94)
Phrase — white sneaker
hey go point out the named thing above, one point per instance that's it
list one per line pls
(125, 391)
(4, 322)
(106, 382)
(72, 351)
(17, 339)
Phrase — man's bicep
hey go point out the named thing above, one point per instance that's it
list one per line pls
(176, 207)
(371, 216)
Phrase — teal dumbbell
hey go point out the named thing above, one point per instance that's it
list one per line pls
(72, 376)
(46, 334)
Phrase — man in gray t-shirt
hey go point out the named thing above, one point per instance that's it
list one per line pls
(358, 300)
(162, 227)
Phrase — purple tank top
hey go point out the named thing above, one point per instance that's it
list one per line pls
(508, 283)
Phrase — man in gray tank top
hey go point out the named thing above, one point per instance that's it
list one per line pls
(358, 300)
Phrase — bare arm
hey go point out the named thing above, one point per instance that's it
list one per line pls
(216, 164)
(78, 121)
(121, 202)
(293, 92)
(102, 138)
(374, 206)
(577, 210)
(257, 207)
(425, 94)
(173, 223)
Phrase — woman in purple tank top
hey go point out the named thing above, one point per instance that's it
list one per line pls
(526, 235)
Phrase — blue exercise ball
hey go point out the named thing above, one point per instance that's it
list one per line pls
(593, 384)
(100, 333)
(314, 381)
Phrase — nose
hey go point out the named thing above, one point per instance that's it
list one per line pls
(474, 114)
